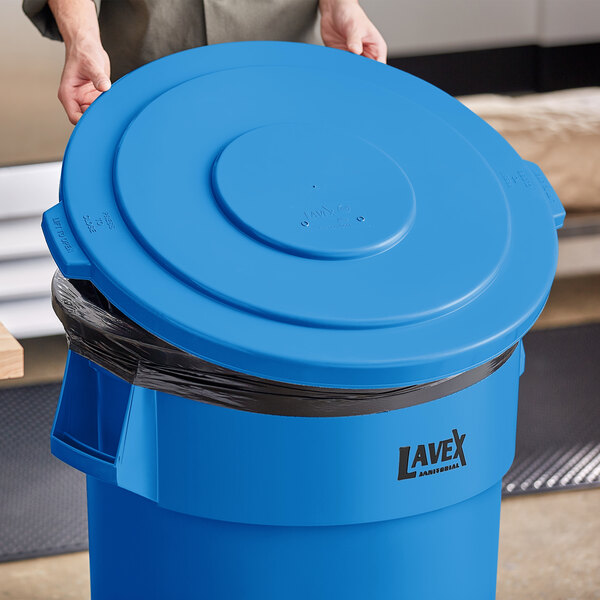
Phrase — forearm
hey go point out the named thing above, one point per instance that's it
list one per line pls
(76, 20)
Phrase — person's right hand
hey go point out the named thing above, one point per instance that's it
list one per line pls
(85, 76)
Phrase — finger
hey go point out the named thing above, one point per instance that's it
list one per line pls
(375, 47)
(376, 52)
(71, 106)
(87, 96)
(380, 53)
(74, 113)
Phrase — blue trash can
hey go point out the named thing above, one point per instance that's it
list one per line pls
(335, 264)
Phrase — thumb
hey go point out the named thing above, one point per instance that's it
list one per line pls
(354, 42)
(101, 81)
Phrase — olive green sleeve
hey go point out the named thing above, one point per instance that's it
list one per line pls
(41, 16)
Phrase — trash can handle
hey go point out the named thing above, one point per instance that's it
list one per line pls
(63, 246)
(90, 418)
(82, 457)
(554, 204)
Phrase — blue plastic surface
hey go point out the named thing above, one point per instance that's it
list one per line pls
(200, 501)
(138, 551)
(224, 464)
(305, 215)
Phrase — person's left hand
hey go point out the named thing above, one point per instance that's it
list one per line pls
(345, 25)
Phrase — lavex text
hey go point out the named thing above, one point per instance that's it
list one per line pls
(425, 456)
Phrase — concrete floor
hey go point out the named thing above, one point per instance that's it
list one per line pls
(550, 547)
(549, 550)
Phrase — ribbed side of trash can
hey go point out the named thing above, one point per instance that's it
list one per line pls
(295, 284)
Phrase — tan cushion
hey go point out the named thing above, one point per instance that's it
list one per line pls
(559, 131)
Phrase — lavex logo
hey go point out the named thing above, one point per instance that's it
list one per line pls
(425, 456)
(327, 211)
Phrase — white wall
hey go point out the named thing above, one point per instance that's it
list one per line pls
(428, 26)
(33, 126)
(26, 266)
(569, 22)
(414, 27)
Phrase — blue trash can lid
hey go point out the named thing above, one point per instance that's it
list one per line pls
(301, 214)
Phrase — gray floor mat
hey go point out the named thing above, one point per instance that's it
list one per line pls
(558, 432)
(42, 501)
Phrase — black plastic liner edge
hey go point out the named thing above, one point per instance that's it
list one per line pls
(98, 331)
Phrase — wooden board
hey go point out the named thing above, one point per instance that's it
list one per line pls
(11, 355)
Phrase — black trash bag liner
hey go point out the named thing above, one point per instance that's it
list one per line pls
(100, 332)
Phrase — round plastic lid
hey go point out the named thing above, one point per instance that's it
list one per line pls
(305, 215)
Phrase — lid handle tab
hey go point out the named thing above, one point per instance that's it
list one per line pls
(67, 254)
(556, 208)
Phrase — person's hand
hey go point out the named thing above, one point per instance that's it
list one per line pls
(85, 76)
(86, 73)
(345, 25)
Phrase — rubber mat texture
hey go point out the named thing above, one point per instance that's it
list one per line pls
(558, 427)
(42, 501)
